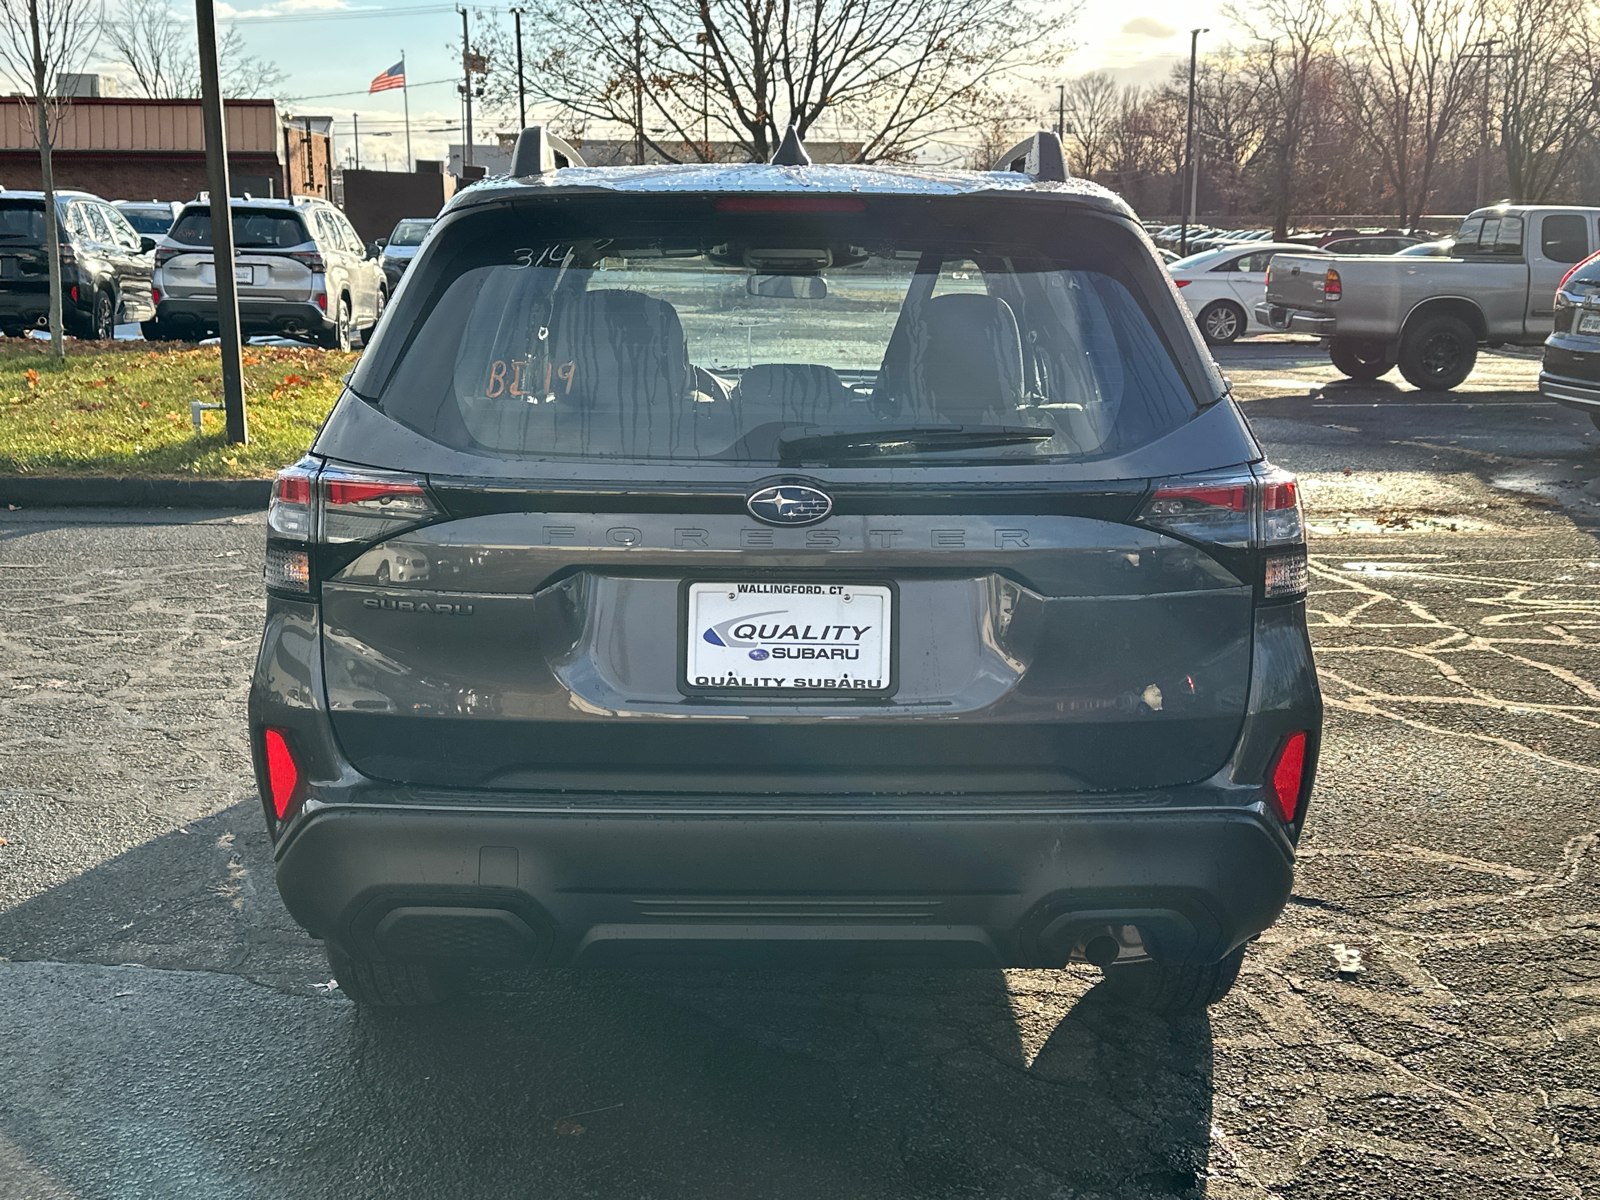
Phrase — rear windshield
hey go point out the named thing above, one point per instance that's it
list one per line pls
(153, 222)
(694, 328)
(251, 229)
(22, 220)
(409, 233)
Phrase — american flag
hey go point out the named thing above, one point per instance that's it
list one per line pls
(394, 77)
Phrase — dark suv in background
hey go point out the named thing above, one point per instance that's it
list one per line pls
(105, 265)
(835, 565)
(299, 268)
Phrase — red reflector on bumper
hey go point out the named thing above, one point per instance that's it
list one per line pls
(1287, 773)
(283, 776)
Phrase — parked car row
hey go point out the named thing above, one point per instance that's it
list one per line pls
(300, 269)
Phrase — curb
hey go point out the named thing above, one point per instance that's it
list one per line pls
(66, 491)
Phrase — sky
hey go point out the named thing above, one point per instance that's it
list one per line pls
(332, 49)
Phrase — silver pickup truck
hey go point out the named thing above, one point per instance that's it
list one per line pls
(1428, 315)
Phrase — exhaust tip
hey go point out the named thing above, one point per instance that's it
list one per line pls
(1102, 951)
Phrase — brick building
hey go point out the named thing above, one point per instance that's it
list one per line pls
(128, 149)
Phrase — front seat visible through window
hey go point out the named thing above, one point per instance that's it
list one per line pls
(966, 360)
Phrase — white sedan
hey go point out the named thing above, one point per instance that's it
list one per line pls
(1223, 286)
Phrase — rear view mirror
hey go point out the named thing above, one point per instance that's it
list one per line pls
(146, 244)
(788, 287)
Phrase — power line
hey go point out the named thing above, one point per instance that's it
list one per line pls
(365, 91)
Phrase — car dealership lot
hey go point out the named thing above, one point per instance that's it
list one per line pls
(165, 1027)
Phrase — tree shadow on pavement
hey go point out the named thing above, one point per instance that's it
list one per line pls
(220, 1066)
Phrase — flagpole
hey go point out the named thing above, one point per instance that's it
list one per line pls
(405, 94)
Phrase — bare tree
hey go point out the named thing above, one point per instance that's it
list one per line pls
(1289, 43)
(1547, 94)
(895, 74)
(40, 41)
(155, 46)
(1091, 106)
(1408, 84)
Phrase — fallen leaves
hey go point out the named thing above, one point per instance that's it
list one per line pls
(32, 377)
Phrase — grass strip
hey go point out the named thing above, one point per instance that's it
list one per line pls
(122, 409)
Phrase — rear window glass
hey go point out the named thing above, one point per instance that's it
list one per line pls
(22, 220)
(1564, 237)
(259, 230)
(1493, 234)
(152, 222)
(671, 330)
(409, 233)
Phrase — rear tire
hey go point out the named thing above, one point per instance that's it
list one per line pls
(1173, 990)
(389, 985)
(1221, 322)
(368, 330)
(103, 320)
(155, 331)
(1438, 352)
(338, 338)
(1360, 359)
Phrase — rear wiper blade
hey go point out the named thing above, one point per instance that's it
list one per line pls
(868, 440)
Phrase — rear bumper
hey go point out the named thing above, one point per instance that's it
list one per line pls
(866, 889)
(1574, 393)
(255, 316)
(1294, 320)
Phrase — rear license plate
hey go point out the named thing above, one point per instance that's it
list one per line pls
(244, 274)
(1589, 323)
(790, 638)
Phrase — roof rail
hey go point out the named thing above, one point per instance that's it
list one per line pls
(538, 150)
(1039, 156)
(792, 153)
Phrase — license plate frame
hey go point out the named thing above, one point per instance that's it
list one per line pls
(702, 602)
(1589, 323)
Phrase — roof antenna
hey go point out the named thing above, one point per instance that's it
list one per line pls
(538, 151)
(792, 153)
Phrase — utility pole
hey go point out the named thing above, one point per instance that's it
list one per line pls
(1061, 113)
(205, 20)
(638, 93)
(704, 39)
(1189, 164)
(522, 95)
(1488, 56)
(311, 157)
(466, 87)
(355, 119)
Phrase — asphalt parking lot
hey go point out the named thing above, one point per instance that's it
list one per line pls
(165, 1030)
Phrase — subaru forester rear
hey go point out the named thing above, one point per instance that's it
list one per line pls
(786, 564)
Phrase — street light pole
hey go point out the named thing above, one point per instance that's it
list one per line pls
(355, 119)
(466, 89)
(522, 96)
(221, 222)
(1061, 112)
(1488, 56)
(1192, 175)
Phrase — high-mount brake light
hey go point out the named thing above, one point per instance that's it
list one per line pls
(1332, 288)
(283, 773)
(1286, 776)
(787, 204)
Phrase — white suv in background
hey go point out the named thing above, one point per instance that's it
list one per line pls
(301, 271)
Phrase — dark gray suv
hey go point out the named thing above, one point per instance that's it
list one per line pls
(786, 564)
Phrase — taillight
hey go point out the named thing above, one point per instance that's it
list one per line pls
(1255, 517)
(322, 301)
(1332, 289)
(165, 254)
(1269, 273)
(155, 295)
(1183, 283)
(74, 293)
(309, 259)
(1286, 776)
(367, 505)
(283, 773)
(314, 505)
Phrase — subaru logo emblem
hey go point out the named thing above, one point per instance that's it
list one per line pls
(790, 504)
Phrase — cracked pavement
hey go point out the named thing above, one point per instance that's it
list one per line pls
(165, 1029)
